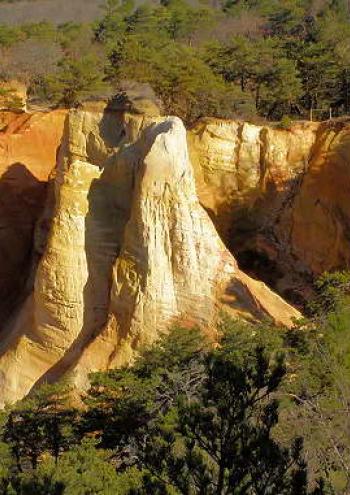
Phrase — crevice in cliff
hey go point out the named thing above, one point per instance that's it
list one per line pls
(237, 150)
(22, 198)
(262, 245)
(262, 158)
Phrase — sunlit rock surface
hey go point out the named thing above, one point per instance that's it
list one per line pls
(278, 197)
(130, 251)
(320, 214)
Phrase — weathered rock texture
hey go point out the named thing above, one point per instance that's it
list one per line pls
(124, 248)
(28, 146)
(236, 163)
(279, 198)
(320, 216)
(130, 251)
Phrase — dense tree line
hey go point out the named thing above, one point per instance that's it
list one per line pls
(245, 58)
(264, 412)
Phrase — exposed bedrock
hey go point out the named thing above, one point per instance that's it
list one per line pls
(130, 251)
(279, 198)
(132, 228)
(28, 148)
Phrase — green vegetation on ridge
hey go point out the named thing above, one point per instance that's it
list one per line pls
(242, 58)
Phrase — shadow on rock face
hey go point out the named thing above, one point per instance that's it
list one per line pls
(22, 199)
(279, 199)
(130, 246)
(108, 197)
(258, 230)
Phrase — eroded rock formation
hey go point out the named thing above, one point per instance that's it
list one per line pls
(28, 147)
(108, 249)
(320, 214)
(130, 251)
(279, 198)
(237, 164)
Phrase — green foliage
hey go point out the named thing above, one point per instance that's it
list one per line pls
(113, 25)
(183, 21)
(184, 83)
(10, 99)
(319, 355)
(193, 418)
(44, 31)
(75, 80)
(190, 417)
(43, 422)
(332, 291)
(40, 481)
(222, 441)
(6, 463)
(199, 59)
(9, 35)
(260, 67)
(83, 470)
(285, 122)
(122, 402)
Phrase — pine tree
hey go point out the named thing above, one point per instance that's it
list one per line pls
(223, 441)
(75, 80)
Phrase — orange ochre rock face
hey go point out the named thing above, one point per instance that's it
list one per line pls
(28, 148)
(320, 220)
(279, 197)
(114, 226)
(129, 252)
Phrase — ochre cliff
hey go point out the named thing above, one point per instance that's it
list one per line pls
(103, 252)
(279, 198)
(320, 214)
(237, 164)
(130, 251)
(28, 147)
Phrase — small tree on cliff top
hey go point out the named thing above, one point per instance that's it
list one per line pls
(75, 80)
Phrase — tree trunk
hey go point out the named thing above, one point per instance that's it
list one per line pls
(34, 459)
(242, 83)
(257, 97)
(220, 487)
